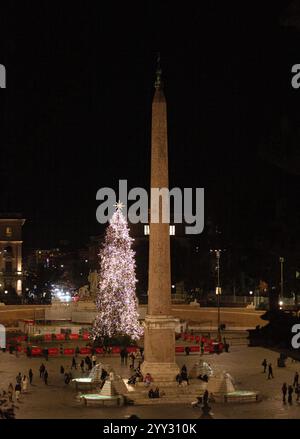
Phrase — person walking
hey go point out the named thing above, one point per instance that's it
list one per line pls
(62, 370)
(296, 380)
(138, 358)
(82, 366)
(122, 357)
(46, 377)
(30, 374)
(297, 391)
(284, 392)
(74, 364)
(205, 398)
(270, 371)
(290, 394)
(264, 365)
(17, 391)
(187, 350)
(19, 378)
(24, 384)
(42, 370)
(87, 362)
(132, 358)
(94, 359)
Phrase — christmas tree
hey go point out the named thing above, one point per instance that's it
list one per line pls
(116, 300)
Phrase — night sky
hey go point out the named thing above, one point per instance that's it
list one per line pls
(76, 112)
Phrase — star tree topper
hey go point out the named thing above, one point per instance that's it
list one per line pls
(119, 205)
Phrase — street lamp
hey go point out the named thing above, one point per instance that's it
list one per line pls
(281, 260)
(218, 289)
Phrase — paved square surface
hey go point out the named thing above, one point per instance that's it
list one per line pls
(57, 400)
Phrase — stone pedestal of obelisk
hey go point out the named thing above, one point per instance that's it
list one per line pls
(159, 338)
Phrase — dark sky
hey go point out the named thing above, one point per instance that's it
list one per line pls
(76, 112)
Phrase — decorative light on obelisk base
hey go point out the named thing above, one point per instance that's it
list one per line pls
(159, 336)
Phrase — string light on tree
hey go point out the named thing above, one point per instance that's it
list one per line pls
(116, 301)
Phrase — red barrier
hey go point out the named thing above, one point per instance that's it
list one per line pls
(197, 339)
(86, 336)
(115, 350)
(194, 348)
(179, 349)
(99, 350)
(85, 351)
(36, 351)
(47, 337)
(73, 336)
(60, 336)
(53, 352)
(69, 351)
(131, 349)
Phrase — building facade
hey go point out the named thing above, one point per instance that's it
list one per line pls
(11, 274)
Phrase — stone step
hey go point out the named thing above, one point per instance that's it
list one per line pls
(164, 400)
(192, 396)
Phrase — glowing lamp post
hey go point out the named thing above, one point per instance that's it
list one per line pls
(218, 289)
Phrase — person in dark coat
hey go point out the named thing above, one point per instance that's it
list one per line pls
(46, 377)
(202, 347)
(151, 393)
(296, 380)
(284, 392)
(30, 374)
(264, 364)
(74, 364)
(270, 371)
(297, 391)
(205, 397)
(290, 394)
(122, 356)
(42, 370)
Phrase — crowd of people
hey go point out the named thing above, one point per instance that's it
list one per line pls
(288, 390)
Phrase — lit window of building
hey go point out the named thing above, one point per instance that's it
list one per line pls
(172, 230)
(8, 231)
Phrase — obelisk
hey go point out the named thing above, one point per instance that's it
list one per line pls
(159, 338)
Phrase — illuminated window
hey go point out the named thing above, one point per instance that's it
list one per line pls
(146, 229)
(8, 231)
(172, 230)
